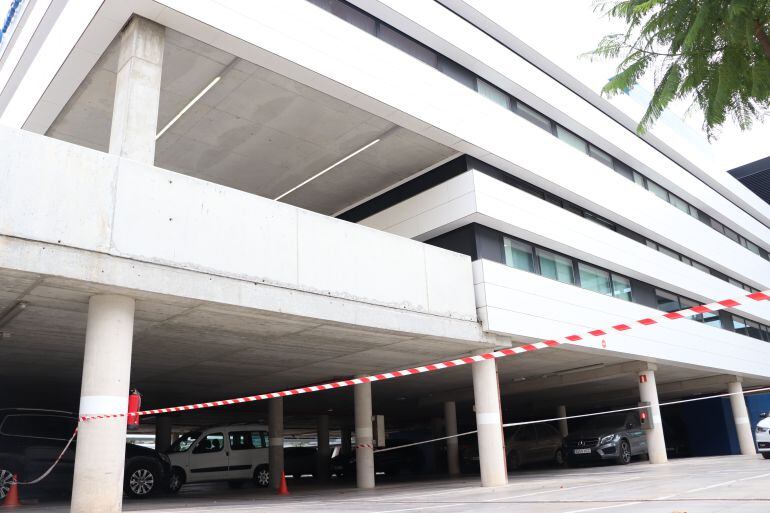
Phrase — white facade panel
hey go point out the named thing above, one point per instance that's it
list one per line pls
(525, 304)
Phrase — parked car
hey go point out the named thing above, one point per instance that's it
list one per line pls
(763, 436)
(408, 460)
(611, 437)
(300, 461)
(534, 443)
(524, 445)
(31, 440)
(235, 454)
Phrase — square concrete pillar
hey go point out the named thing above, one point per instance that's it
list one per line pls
(275, 440)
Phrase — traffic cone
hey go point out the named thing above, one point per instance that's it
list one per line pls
(283, 489)
(12, 498)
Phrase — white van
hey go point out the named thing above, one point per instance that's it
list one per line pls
(763, 436)
(234, 454)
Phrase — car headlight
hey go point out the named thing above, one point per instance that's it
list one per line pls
(761, 429)
(606, 439)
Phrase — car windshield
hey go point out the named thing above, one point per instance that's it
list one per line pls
(184, 442)
(608, 421)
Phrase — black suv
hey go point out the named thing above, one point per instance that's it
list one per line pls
(30, 441)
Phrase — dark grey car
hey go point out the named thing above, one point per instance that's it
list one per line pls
(614, 437)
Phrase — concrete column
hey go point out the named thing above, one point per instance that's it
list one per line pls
(489, 423)
(362, 397)
(452, 449)
(101, 444)
(275, 436)
(741, 418)
(561, 411)
(163, 426)
(323, 448)
(648, 392)
(137, 90)
(345, 444)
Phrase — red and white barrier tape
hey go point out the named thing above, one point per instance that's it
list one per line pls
(582, 339)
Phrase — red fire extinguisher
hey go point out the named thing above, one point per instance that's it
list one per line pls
(134, 404)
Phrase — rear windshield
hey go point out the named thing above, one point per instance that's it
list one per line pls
(53, 427)
(184, 442)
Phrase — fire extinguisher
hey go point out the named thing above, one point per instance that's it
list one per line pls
(134, 404)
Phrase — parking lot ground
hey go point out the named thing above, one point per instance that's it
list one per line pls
(718, 484)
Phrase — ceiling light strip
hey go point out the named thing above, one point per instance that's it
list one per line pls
(187, 107)
(359, 150)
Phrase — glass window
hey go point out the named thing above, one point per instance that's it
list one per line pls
(595, 279)
(638, 179)
(679, 203)
(184, 442)
(533, 116)
(52, 427)
(712, 319)
(716, 225)
(491, 92)
(599, 220)
(657, 190)
(667, 301)
(739, 325)
(651, 244)
(689, 303)
(573, 140)
(701, 267)
(555, 266)
(349, 14)
(259, 439)
(519, 255)
(750, 246)
(621, 287)
(624, 170)
(685, 260)
(242, 440)
(407, 45)
(525, 434)
(600, 155)
(694, 213)
(735, 282)
(668, 252)
(753, 330)
(731, 234)
(213, 442)
(453, 70)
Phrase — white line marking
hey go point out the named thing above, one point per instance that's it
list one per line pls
(416, 509)
(553, 490)
(625, 504)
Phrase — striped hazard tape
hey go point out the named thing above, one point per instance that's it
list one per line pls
(588, 338)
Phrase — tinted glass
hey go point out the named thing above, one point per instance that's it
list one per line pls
(242, 440)
(621, 287)
(184, 442)
(638, 179)
(39, 426)
(753, 330)
(679, 203)
(731, 234)
(348, 13)
(651, 244)
(525, 434)
(491, 92)
(555, 267)
(668, 252)
(712, 319)
(533, 116)
(407, 45)
(666, 301)
(716, 225)
(689, 303)
(213, 442)
(624, 170)
(657, 190)
(600, 155)
(751, 246)
(570, 138)
(700, 266)
(739, 324)
(519, 255)
(595, 279)
(457, 72)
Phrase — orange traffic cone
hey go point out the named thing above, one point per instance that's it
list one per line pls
(12, 498)
(283, 489)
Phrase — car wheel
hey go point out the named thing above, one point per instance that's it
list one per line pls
(176, 481)
(766, 455)
(558, 458)
(6, 478)
(142, 479)
(624, 453)
(513, 460)
(262, 476)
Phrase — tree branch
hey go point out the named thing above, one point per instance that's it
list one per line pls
(761, 35)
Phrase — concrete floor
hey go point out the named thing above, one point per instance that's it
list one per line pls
(718, 484)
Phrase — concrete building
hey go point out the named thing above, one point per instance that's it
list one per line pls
(218, 198)
(756, 176)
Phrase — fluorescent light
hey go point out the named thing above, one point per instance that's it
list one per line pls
(187, 107)
(359, 150)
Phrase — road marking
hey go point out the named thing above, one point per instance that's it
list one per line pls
(420, 508)
(625, 504)
(553, 490)
(717, 485)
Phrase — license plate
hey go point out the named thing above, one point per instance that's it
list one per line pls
(582, 451)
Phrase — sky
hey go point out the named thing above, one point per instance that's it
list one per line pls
(562, 30)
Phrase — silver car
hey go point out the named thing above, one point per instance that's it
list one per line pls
(534, 443)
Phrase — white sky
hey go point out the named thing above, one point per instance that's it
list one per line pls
(562, 30)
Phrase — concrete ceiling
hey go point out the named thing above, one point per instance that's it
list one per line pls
(255, 130)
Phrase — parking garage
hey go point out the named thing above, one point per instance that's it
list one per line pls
(198, 299)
